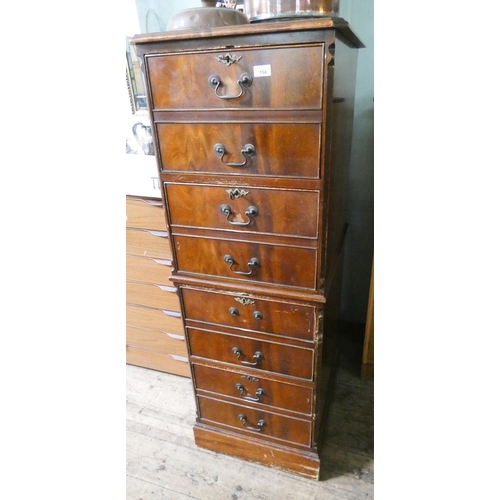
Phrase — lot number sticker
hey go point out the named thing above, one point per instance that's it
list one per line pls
(263, 70)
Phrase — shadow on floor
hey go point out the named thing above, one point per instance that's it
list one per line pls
(348, 445)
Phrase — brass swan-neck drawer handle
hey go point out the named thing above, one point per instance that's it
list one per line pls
(253, 264)
(260, 424)
(248, 151)
(250, 213)
(258, 357)
(258, 393)
(244, 81)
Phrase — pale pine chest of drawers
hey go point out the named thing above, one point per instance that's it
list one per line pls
(252, 127)
(155, 332)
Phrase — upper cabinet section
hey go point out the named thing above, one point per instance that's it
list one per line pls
(238, 79)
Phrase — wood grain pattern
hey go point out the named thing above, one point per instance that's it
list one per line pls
(299, 149)
(289, 319)
(188, 88)
(281, 265)
(153, 340)
(234, 385)
(157, 296)
(148, 244)
(145, 213)
(287, 27)
(278, 358)
(282, 212)
(157, 361)
(222, 414)
(190, 147)
(148, 270)
(154, 319)
(163, 460)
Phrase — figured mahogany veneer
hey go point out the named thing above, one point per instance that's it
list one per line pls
(281, 149)
(278, 264)
(252, 127)
(265, 211)
(245, 419)
(296, 83)
(275, 357)
(244, 388)
(260, 314)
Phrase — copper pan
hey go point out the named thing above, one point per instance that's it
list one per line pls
(260, 10)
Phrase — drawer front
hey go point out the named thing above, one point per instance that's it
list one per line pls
(251, 389)
(153, 340)
(280, 150)
(188, 81)
(258, 423)
(271, 211)
(169, 363)
(154, 319)
(281, 265)
(243, 351)
(148, 243)
(157, 296)
(145, 214)
(257, 314)
(149, 270)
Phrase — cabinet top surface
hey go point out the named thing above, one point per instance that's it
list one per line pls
(321, 23)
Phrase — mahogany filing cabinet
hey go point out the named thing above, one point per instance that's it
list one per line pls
(252, 127)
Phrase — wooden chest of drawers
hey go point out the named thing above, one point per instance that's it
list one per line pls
(252, 127)
(155, 331)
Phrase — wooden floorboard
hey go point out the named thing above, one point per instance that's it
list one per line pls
(164, 463)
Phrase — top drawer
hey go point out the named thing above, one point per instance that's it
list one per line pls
(145, 214)
(259, 79)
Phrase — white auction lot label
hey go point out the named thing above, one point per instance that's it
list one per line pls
(263, 70)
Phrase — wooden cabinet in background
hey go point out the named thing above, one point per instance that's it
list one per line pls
(252, 125)
(368, 362)
(155, 330)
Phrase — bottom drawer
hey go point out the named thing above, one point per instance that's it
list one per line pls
(168, 343)
(258, 423)
(158, 361)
